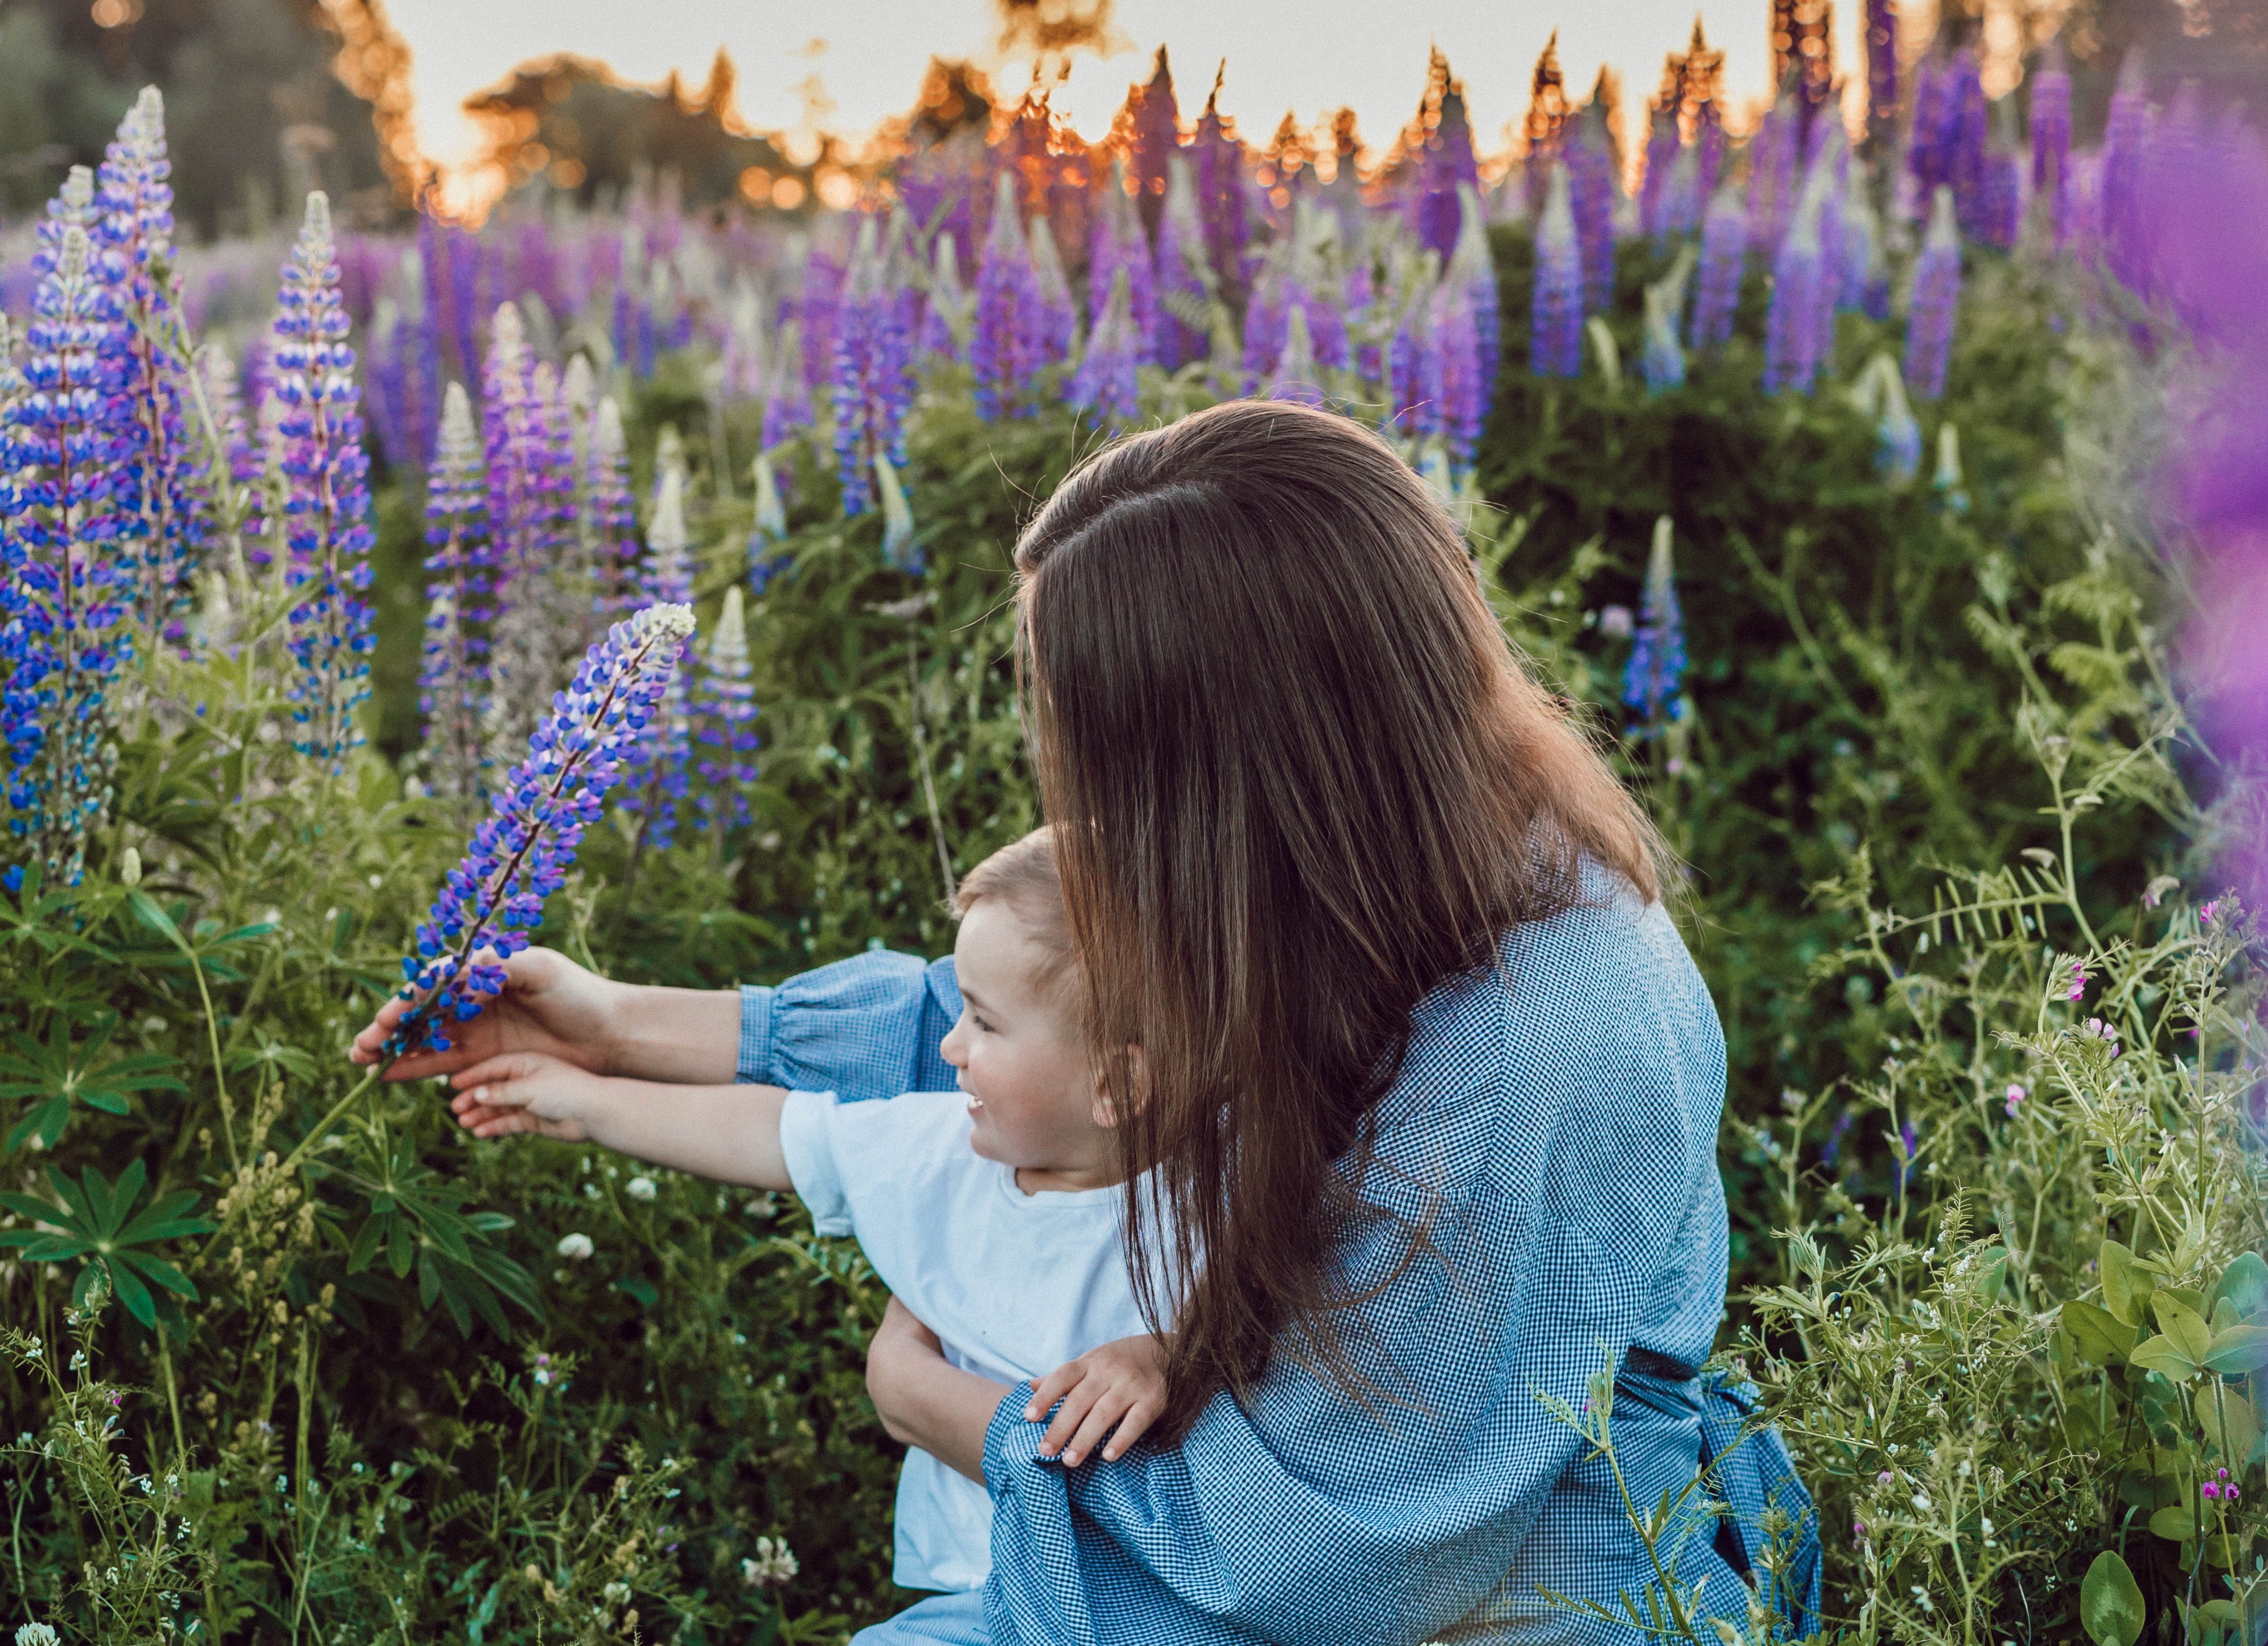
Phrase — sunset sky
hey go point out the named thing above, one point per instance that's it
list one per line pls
(867, 55)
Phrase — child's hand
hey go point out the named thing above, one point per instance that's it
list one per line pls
(1120, 1384)
(529, 1092)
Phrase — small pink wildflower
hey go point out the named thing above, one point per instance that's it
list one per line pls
(2016, 1095)
(2212, 1491)
(2205, 915)
(1884, 1478)
(2078, 980)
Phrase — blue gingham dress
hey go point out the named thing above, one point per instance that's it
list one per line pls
(1555, 1126)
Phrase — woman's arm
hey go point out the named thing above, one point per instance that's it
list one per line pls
(923, 1400)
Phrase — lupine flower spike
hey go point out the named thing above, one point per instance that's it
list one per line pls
(666, 753)
(454, 684)
(613, 513)
(327, 493)
(1104, 385)
(66, 430)
(1556, 322)
(1006, 350)
(725, 721)
(1662, 358)
(1936, 294)
(898, 545)
(1654, 679)
(1724, 256)
(770, 526)
(494, 899)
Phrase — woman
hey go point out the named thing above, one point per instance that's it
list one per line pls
(1423, 1131)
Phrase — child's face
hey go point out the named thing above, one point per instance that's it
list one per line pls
(1031, 1095)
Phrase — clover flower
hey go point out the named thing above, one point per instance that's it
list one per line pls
(873, 376)
(1182, 274)
(1004, 352)
(1936, 293)
(1555, 347)
(641, 1189)
(725, 721)
(1105, 387)
(453, 684)
(1654, 678)
(520, 854)
(575, 1247)
(773, 1563)
(1724, 256)
(67, 433)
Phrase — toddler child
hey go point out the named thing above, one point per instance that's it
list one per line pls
(993, 1214)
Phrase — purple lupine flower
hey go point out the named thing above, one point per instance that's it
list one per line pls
(612, 524)
(1362, 299)
(1967, 129)
(1929, 141)
(2001, 212)
(1056, 318)
(1555, 320)
(1445, 161)
(1472, 267)
(743, 369)
(724, 722)
(1662, 151)
(1413, 368)
(667, 756)
(326, 495)
(2051, 145)
(629, 285)
(1467, 379)
(1681, 197)
(1936, 294)
(541, 614)
(519, 855)
(1005, 352)
(1116, 241)
(769, 526)
(1588, 159)
(873, 382)
(168, 487)
(815, 302)
(1182, 272)
(1105, 387)
(1216, 164)
(68, 432)
(945, 322)
(1264, 323)
(1724, 258)
(454, 684)
(1654, 678)
(787, 401)
(1866, 275)
(246, 473)
(1775, 154)
(2126, 137)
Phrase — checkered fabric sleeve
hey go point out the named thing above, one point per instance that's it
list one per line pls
(1554, 1132)
(869, 1026)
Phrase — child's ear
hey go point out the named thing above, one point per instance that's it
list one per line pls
(1137, 1074)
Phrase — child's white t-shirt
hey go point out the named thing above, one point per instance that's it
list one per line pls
(1013, 1284)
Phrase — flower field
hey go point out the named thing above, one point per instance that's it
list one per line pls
(636, 581)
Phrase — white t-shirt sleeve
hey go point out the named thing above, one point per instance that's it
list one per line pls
(807, 1145)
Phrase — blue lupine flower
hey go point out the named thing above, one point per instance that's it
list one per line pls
(725, 721)
(873, 378)
(1555, 318)
(1936, 294)
(1588, 159)
(1105, 386)
(1654, 678)
(769, 526)
(454, 684)
(1723, 257)
(519, 855)
(1004, 352)
(1792, 327)
(327, 493)
(1774, 156)
(68, 432)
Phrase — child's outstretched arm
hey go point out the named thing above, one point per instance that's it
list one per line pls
(1119, 1385)
(730, 1134)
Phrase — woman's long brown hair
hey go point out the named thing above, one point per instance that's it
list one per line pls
(1298, 779)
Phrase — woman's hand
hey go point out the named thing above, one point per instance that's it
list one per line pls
(1119, 1385)
(533, 1092)
(550, 1005)
(925, 1400)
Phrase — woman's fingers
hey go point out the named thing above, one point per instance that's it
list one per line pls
(499, 1071)
(1068, 1417)
(1052, 1388)
(1106, 1412)
(1132, 1427)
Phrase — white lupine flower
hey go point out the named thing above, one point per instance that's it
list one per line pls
(575, 1247)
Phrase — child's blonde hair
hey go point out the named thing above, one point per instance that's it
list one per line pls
(1022, 875)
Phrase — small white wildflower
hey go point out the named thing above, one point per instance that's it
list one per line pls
(575, 1247)
(774, 1563)
(615, 1593)
(1922, 1599)
(640, 1188)
(1986, 1523)
(37, 1635)
(1921, 1502)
